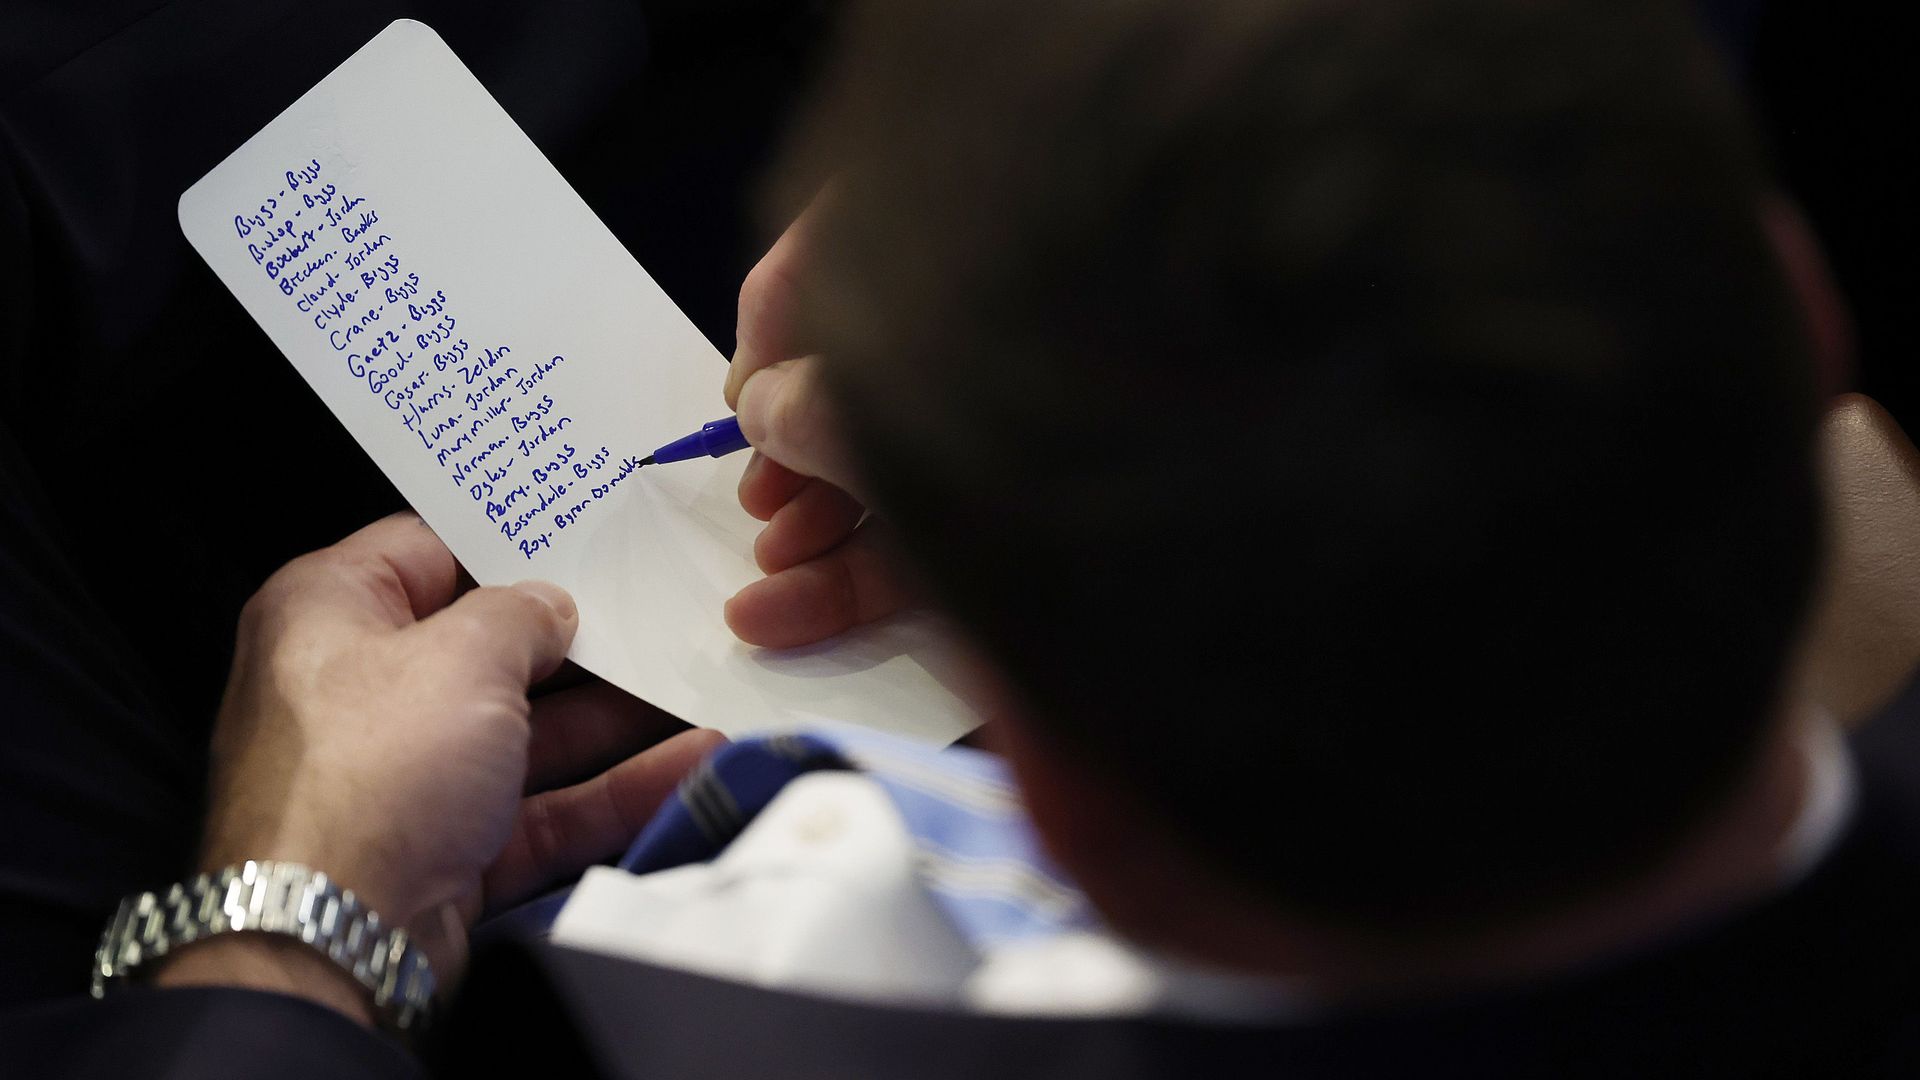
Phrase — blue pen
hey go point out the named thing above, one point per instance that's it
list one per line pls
(718, 439)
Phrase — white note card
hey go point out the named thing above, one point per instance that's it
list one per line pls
(507, 362)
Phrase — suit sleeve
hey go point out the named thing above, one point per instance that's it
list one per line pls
(202, 1034)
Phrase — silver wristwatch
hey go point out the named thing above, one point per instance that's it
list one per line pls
(273, 898)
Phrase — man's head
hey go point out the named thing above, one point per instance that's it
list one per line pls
(1374, 436)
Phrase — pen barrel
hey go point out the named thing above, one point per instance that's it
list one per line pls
(717, 439)
(722, 437)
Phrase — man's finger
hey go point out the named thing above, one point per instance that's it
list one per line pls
(815, 521)
(853, 584)
(579, 732)
(766, 486)
(520, 631)
(560, 833)
(785, 414)
(765, 331)
(388, 574)
(426, 571)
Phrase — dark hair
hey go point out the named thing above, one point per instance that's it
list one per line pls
(1378, 434)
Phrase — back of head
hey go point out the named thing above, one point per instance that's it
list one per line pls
(1374, 433)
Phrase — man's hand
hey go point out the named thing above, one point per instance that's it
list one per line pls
(828, 567)
(377, 727)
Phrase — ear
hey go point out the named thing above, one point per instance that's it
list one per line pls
(1829, 324)
(1133, 871)
(1094, 827)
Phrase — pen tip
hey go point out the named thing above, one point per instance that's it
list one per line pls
(644, 462)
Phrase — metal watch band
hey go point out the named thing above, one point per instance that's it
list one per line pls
(273, 898)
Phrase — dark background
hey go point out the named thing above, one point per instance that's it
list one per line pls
(1835, 96)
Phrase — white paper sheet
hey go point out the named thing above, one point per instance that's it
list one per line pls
(506, 361)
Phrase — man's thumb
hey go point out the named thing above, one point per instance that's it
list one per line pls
(785, 414)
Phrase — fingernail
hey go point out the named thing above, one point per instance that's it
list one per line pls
(551, 595)
(731, 391)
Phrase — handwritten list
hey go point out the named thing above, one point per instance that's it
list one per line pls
(506, 362)
(485, 416)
